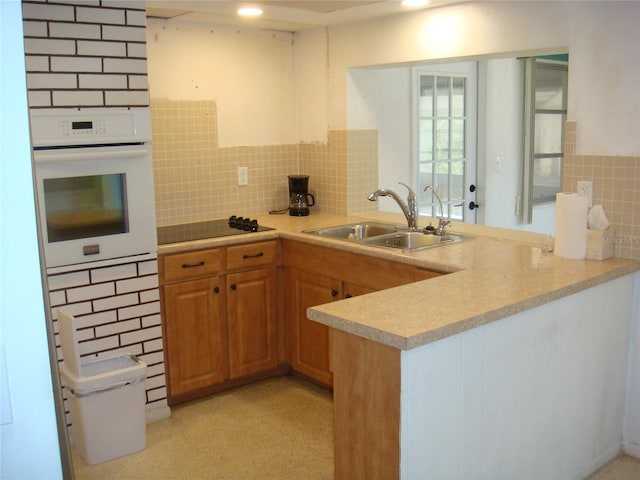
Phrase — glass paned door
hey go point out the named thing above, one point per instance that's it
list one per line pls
(443, 153)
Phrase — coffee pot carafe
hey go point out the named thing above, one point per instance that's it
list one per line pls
(299, 197)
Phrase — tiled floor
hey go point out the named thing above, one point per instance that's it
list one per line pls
(277, 429)
(622, 468)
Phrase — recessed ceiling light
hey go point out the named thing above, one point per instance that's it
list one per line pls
(250, 11)
(415, 3)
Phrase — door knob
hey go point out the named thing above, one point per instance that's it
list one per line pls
(234, 286)
(216, 289)
(473, 205)
(472, 188)
(334, 293)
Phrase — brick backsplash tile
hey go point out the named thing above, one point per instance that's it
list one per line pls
(140, 336)
(67, 280)
(39, 99)
(99, 345)
(73, 309)
(77, 98)
(136, 284)
(125, 65)
(37, 63)
(83, 37)
(100, 15)
(154, 395)
(51, 81)
(102, 49)
(151, 320)
(47, 12)
(34, 29)
(136, 17)
(102, 81)
(148, 268)
(90, 292)
(154, 382)
(149, 295)
(139, 310)
(154, 358)
(129, 4)
(96, 319)
(137, 50)
(49, 46)
(115, 302)
(118, 328)
(116, 272)
(76, 64)
(57, 298)
(131, 34)
(73, 30)
(129, 98)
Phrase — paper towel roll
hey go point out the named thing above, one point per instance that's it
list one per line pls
(571, 225)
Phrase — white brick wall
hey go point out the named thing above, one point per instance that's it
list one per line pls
(100, 44)
(117, 308)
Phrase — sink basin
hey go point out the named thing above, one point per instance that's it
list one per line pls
(386, 235)
(355, 231)
(409, 241)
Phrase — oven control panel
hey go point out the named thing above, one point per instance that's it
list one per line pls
(51, 128)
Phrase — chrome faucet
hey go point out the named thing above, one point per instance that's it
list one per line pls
(410, 209)
(442, 223)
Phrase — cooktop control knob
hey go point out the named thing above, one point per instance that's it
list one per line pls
(242, 223)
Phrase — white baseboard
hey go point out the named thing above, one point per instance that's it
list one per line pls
(156, 412)
(631, 449)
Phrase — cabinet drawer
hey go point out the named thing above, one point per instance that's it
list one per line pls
(196, 264)
(252, 255)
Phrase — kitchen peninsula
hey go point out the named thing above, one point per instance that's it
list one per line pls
(511, 363)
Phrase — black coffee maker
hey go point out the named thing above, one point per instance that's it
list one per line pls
(299, 197)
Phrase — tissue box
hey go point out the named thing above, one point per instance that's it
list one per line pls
(600, 244)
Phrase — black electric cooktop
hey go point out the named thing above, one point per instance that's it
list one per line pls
(213, 228)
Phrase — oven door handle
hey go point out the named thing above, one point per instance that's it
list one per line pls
(92, 153)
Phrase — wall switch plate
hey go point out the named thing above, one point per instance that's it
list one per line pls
(585, 189)
(243, 176)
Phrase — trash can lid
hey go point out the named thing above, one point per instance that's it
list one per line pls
(69, 342)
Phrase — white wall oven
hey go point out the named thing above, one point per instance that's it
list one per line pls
(94, 182)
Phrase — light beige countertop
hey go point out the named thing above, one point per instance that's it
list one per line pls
(497, 274)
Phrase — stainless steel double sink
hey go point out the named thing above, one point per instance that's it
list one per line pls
(387, 236)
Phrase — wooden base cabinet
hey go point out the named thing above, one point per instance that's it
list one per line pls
(195, 334)
(252, 322)
(220, 318)
(309, 341)
(317, 275)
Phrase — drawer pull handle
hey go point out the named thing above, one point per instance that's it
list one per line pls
(257, 255)
(193, 265)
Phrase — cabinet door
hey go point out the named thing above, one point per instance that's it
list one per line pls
(309, 341)
(252, 321)
(354, 290)
(195, 334)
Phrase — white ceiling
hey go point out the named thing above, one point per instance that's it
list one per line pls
(282, 15)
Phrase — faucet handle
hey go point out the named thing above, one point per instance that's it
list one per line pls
(411, 192)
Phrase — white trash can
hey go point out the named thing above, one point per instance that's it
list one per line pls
(106, 398)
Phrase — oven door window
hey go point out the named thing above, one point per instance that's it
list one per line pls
(86, 206)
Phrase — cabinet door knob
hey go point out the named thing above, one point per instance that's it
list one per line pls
(216, 289)
(334, 293)
(234, 286)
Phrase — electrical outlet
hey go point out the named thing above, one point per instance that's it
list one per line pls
(243, 176)
(585, 189)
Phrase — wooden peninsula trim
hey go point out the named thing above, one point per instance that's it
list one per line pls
(366, 398)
